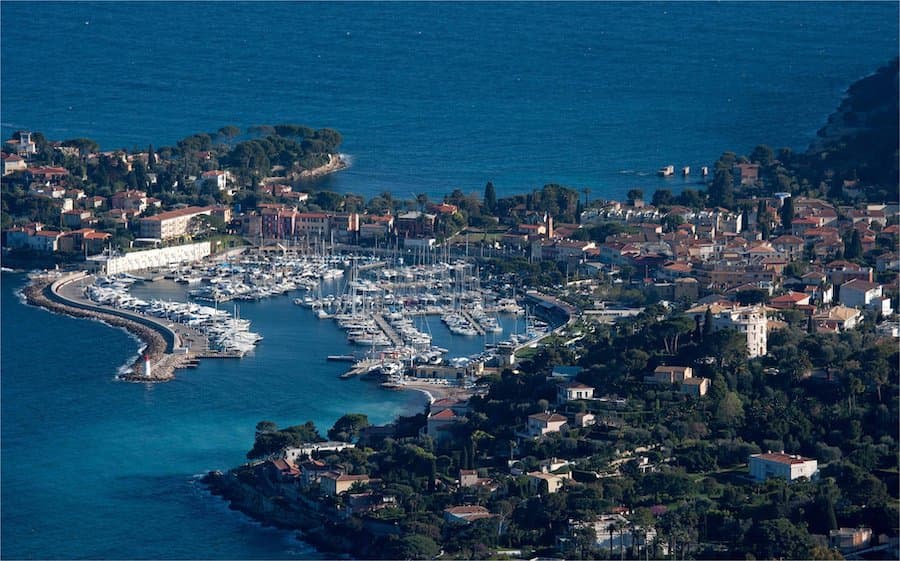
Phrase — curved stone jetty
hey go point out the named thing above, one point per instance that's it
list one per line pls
(162, 344)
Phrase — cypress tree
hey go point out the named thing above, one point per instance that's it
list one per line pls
(787, 213)
(854, 248)
(490, 197)
(707, 321)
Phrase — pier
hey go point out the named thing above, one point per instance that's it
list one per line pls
(475, 325)
(388, 330)
(359, 368)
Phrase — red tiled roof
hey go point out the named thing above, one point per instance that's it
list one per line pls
(790, 297)
(444, 415)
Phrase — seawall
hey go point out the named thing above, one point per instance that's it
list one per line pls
(162, 344)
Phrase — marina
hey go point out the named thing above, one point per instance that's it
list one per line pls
(383, 306)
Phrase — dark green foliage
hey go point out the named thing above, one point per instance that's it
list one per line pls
(721, 191)
(779, 538)
(348, 426)
(854, 246)
(787, 214)
(662, 197)
(269, 442)
(861, 137)
(490, 197)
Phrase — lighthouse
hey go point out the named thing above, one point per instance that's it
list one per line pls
(147, 366)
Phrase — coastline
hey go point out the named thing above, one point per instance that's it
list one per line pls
(41, 293)
(434, 392)
(336, 163)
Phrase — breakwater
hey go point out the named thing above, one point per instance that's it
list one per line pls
(159, 341)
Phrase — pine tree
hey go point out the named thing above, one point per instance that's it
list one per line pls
(490, 197)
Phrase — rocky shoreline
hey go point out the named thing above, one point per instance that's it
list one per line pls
(37, 293)
(335, 163)
(319, 529)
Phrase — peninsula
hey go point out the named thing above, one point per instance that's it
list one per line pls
(710, 373)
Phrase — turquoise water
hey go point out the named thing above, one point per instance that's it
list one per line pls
(95, 468)
(430, 97)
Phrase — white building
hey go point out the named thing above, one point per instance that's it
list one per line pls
(572, 391)
(217, 178)
(868, 295)
(785, 466)
(749, 320)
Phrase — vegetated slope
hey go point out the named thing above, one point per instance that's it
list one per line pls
(860, 140)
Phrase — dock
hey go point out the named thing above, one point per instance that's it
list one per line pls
(359, 369)
(396, 340)
(475, 325)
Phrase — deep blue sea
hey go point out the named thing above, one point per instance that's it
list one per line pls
(432, 97)
(429, 97)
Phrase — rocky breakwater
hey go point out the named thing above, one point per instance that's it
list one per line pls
(41, 292)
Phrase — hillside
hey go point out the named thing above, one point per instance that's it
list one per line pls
(860, 139)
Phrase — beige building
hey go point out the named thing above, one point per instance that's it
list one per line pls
(696, 387)
(540, 424)
(334, 484)
(172, 224)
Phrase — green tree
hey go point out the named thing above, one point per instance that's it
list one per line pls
(490, 197)
(635, 195)
(854, 247)
(347, 428)
(263, 427)
(707, 321)
(763, 155)
(414, 546)
(730, 411)
(662, 197)
(721, 191)
(779, 538)
(787, 214)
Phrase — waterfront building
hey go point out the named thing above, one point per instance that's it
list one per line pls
(544, 483)
(334, 484)
(415, 224)
(670, 374)
(46, 175)
(172, 224)
(784, 466)
(130, 200)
